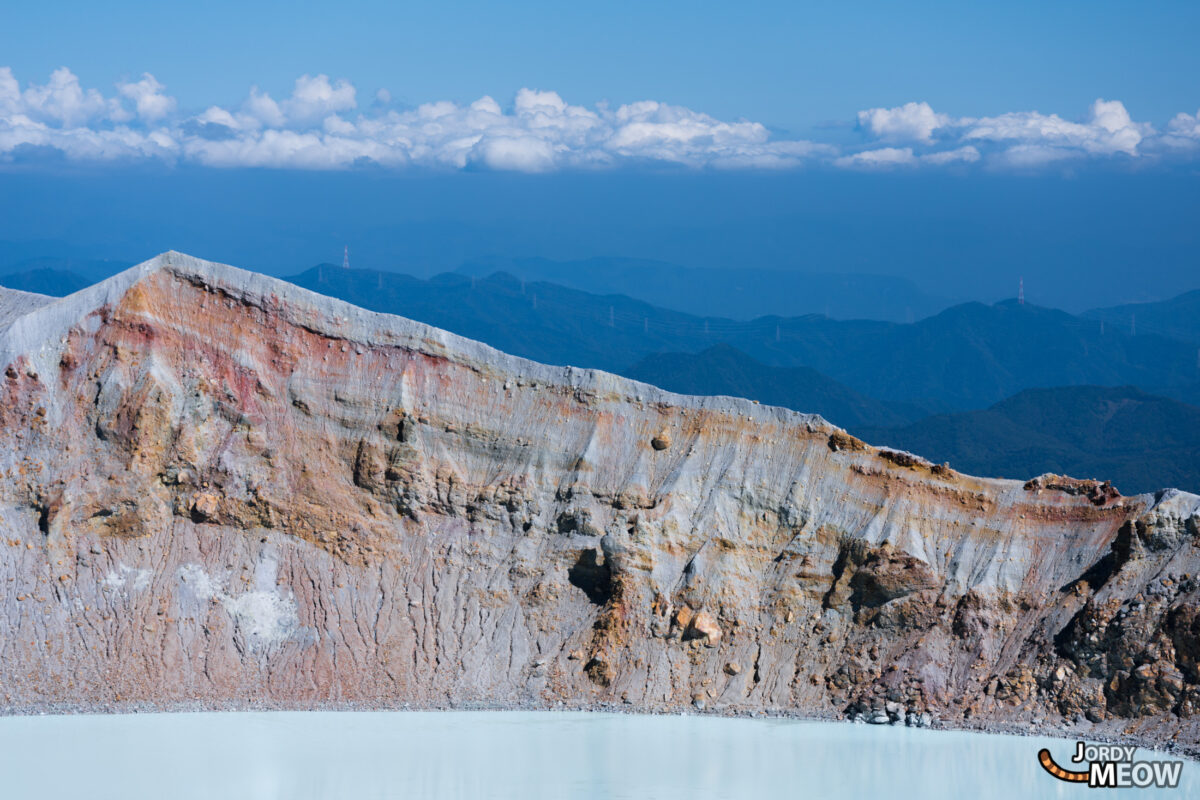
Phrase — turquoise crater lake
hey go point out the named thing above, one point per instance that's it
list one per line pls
(524, 755)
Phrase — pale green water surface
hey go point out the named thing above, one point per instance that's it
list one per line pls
(526, 755)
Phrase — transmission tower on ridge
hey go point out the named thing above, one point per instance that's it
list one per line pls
(346, 258)
(1021, 291)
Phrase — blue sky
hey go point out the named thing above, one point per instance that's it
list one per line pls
(958, 144)
(786, 64)
(536, 87)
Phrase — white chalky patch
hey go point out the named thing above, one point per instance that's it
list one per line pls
(263, 615)
(127, 578)
(198, 581)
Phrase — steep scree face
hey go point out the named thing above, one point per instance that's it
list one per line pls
(221, 489)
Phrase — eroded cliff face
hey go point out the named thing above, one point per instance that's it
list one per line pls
(219, 488)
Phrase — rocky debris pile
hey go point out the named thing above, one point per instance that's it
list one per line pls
(889, 713)
(1098, 492)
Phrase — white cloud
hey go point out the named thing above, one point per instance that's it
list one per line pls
(1185, 125)
(965, 155)
(1032, 156)
(148, 98)
(911, 122)
(523, 154)
(889, 157)
(85, 144)
(316, 98)
(486, 105)
(320, 126)
(10, 92)
(533, 102)
(62, 100)
(82, 124)
(218, 116)
(285, 148)
(260, 107)
(1016, 139)
(1183, 131)
(1107, 131)
(883, 158)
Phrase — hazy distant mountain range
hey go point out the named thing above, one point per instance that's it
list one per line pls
(1177, 318)
(54, 282)
(965, 357)
(878, 379)
(1017, 389)
(721, 369)
(742, 293)
(1189, 393)
(1139, 441)
(58, 274)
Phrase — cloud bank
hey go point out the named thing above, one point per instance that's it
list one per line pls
(321, 125)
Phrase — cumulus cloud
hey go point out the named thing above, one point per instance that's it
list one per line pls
(317, 98)
(63, 101)
(1024, 139)
(10, 92)
(320, 125)
(524, 154)
(261, 109)
(147, 95)
(1108, 130)
(316, 128)
(1183, 131)
(911, 122)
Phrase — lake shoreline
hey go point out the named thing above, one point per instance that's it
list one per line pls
(1191, 752)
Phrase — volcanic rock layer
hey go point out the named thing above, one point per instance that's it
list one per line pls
(221, 490)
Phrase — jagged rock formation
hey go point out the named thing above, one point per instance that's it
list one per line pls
(222, 489)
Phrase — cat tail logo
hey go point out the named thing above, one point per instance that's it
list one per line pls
(1113, 767)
